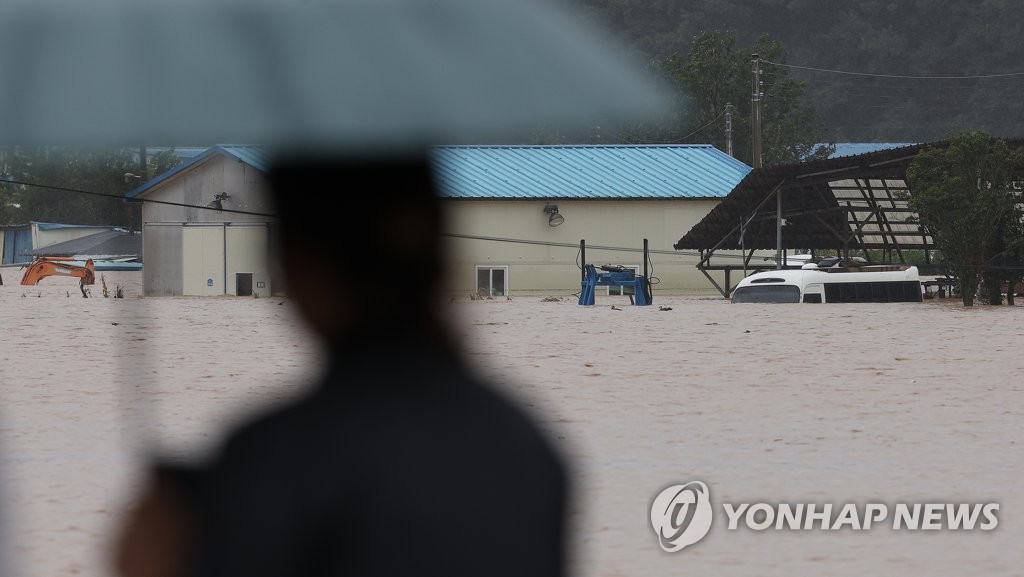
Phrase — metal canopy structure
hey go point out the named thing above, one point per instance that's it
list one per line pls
(850, 203)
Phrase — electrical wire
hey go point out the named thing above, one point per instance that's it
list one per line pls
(575, 245)
(916, 94)
(132, 200)
(452, 235)
(712, 121)
(903, 76)
(684, 139)
(652, 280)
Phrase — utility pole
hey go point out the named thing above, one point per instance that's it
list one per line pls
(755, 108)
(133, 206)
(728, 129)
(143, 163)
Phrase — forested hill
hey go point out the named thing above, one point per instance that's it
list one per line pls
(897, 40)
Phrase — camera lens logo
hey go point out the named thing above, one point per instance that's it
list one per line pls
(681, 515)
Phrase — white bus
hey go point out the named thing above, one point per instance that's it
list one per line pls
(832, 280)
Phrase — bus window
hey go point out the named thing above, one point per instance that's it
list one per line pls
(873, 292)
(767, 294)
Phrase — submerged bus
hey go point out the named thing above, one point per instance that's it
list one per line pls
(832, 280)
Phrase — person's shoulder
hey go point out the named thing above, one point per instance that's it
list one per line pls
(489, 411)
(440, 409)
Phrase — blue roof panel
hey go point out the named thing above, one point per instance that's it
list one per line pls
(57, 225)
(255, 156)
(854, 148)
(587, 171)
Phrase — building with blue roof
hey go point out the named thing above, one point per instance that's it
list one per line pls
(501, 200)
(516, 215)
(19, 240)
(207, 225)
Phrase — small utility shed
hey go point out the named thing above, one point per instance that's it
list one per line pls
(192, 248)
(507, 238)
(17, 241)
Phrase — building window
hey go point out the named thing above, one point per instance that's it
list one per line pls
(492, 281)
(624, 290)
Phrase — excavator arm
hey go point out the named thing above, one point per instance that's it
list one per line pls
(44, 267)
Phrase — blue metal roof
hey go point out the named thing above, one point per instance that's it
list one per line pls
(255, 156)
(58, 225)
(179, 151)
(587, 171)
(853, 148)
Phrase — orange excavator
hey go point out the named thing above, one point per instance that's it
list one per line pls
(59, 266)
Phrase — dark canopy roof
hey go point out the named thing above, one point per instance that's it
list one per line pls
(845, 202)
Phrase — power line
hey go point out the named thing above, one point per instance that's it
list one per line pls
(132, 200)
(576, 245)
(904, 76)
(1010, 83)
(685, 138)
(713, 120)
(452, 235)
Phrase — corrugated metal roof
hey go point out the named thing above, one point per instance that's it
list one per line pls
(824, 202)
(587, 171)
(57, 225)
(854, 148)
(255, 156)
(116, 242)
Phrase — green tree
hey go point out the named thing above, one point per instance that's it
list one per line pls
(77, 185)
(895, 42)
(963, 196)
(8, 200)
(1007, 262)
(162, 161)
(717, 72)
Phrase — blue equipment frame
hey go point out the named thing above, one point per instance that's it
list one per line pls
(612, 277)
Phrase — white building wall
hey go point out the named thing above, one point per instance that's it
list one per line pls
(541, 269)
(161, 250)
(198, 185)
(197, 251)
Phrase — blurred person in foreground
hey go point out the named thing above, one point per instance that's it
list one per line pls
(400, 461)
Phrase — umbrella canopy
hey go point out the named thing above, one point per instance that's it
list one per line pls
(283, 71)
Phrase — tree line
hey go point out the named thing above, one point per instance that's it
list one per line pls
(973, 46)
(712, 86)
(75, 185)
(968, 197)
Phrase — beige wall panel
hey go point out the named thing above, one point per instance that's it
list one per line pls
(161, 249)
(247, 252)
(203, 260)
(553, 269)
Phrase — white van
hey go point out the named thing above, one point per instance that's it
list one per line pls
(832, 280)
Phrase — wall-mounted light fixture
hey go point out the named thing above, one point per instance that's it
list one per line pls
(218, 201)
(554, 219)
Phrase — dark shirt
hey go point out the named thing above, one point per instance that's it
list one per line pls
(400, 462)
